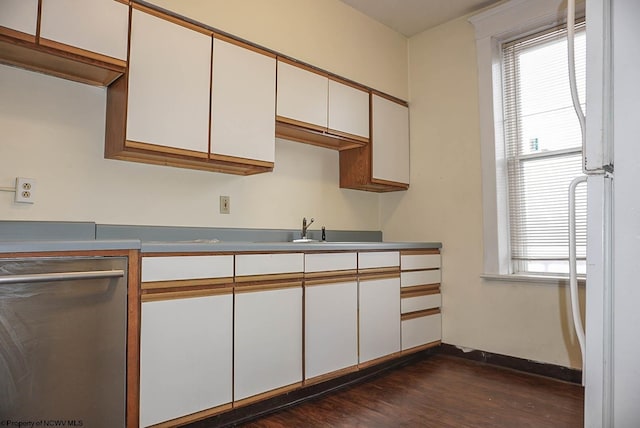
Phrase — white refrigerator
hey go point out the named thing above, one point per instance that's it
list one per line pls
(612, 372)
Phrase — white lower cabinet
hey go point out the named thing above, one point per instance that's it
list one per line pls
(331, 327)
(185, 356)
(379, 317)
(267, 340)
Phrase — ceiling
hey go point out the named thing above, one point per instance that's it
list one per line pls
(410, 17)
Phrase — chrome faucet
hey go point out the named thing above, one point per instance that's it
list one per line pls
(305, 226)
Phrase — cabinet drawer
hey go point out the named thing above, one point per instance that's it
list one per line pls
(177, 268)
(420, 277)
(419, 261)
(378, 259)
(420, 331)
(269, 264)
(326, 262)
(420, 303)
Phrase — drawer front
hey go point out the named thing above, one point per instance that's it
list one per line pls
(269, 264)
(420, 331)
(176, 268)
(419, 261)
(330, 262)
(420, 303)
(420, 277)
(379, 259)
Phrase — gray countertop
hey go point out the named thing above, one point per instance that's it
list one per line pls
(64, 245)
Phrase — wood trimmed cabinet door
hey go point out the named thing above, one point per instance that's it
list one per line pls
(331, 315)
(267, 325)
(98, 26)
(169, 87)
(379, 306)
(186, 337)
(243, 104)
(316, 109)
(20, 16)
(383, 165)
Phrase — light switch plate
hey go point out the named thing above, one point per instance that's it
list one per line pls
(225, 207)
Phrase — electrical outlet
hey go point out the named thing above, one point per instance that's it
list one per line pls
(25, 190)
(225, 205)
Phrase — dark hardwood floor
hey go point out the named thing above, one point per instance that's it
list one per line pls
(441, 391)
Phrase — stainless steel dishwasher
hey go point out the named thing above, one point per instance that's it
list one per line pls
(63, 325)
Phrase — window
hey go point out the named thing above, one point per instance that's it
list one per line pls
(529, 138)
(542, 146)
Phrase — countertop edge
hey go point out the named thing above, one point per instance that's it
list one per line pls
(61, 246)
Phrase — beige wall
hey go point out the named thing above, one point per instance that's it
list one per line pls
(444, 204)
(52, 130)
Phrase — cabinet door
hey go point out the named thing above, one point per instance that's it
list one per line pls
(302, 95)
(100, 26)
(267, 340)
(390, 140)
(379, 317)
(243, 102)
(331, 327)
(348, 109)
(169, 85)
(19, 15)
(185, 356)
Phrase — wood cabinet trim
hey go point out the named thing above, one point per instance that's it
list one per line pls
(420, 314)
(346, 135)
(328, 281)
(419, 252)
(155, 285)
(301, 124)
(185, 294)
(420, 269)
(380, 270)
(173, 18)
(121, 64)
(372, 277)
(354, 85)
(193, 417)
(389, 183)
(320, 138)
(245, 45)
(267, 286)
(15, 34)
(331, 375)
(133, 340)
(243, 161)
(266, 395)
(269, 277)
(165, 149)
(421, 347)
(330, 274)
(302, 66)
(420, 290)
(376, 361)
(390, 98)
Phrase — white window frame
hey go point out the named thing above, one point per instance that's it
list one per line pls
(494, 26)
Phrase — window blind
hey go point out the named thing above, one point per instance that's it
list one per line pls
(543, 150)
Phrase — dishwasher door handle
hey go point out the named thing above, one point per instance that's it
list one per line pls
(61, 276)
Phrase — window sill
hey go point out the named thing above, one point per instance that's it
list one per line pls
(560, 280)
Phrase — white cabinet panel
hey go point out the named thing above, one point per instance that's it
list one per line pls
(348, 109)
(185, 357)
(186, 267)
(267, 341)
(243, 103)
(420, 261)
(321, 262)
(331, 327)
(420, 277)
(420, 331)
(19, 15)
(169, 85)
(420, 303)
(390, 140)
(378, 259)
(379, 318)
(302, 95)
(100, 26)
(267, 264)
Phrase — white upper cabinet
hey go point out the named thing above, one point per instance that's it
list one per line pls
(20, 15)
(302, 95)
(348, 109)
(169, 85)
(243, 102)
(390, 140)
(99, 26)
